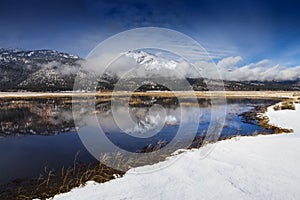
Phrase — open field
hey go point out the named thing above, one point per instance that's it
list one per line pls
(183, 94)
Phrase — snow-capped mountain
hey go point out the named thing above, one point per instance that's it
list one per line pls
(150, 61)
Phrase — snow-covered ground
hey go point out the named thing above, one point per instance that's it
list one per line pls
(287, 119)
(262, 167)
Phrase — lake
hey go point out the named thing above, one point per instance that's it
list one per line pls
(38, 136)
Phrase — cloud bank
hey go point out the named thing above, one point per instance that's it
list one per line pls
(229, 68)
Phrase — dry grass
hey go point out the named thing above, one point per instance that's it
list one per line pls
(286, 105)
(50, 183)
(264, 122)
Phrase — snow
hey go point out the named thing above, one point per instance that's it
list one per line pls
(261, 167)
(30, 53)
(151, 62)
(286, 119)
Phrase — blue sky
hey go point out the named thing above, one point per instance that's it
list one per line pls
(254, 30)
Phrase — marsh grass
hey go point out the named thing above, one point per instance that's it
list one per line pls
(51, 183)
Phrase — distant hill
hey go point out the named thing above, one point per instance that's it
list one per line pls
(37, 70)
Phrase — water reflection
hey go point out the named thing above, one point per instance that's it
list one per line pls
(35, 116)
(158, 129)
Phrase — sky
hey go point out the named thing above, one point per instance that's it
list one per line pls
(251, 30)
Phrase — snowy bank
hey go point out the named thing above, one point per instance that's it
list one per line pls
(285, 118)
(262, 167)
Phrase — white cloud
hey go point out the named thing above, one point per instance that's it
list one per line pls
(263, 70)
(229, 62)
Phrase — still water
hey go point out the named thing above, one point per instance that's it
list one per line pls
(40, 136)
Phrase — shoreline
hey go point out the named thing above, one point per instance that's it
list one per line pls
(259, 114)
(265, 120)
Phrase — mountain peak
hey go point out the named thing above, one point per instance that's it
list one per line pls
(150, 61)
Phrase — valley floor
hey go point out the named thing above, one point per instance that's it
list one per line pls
(261, 167)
